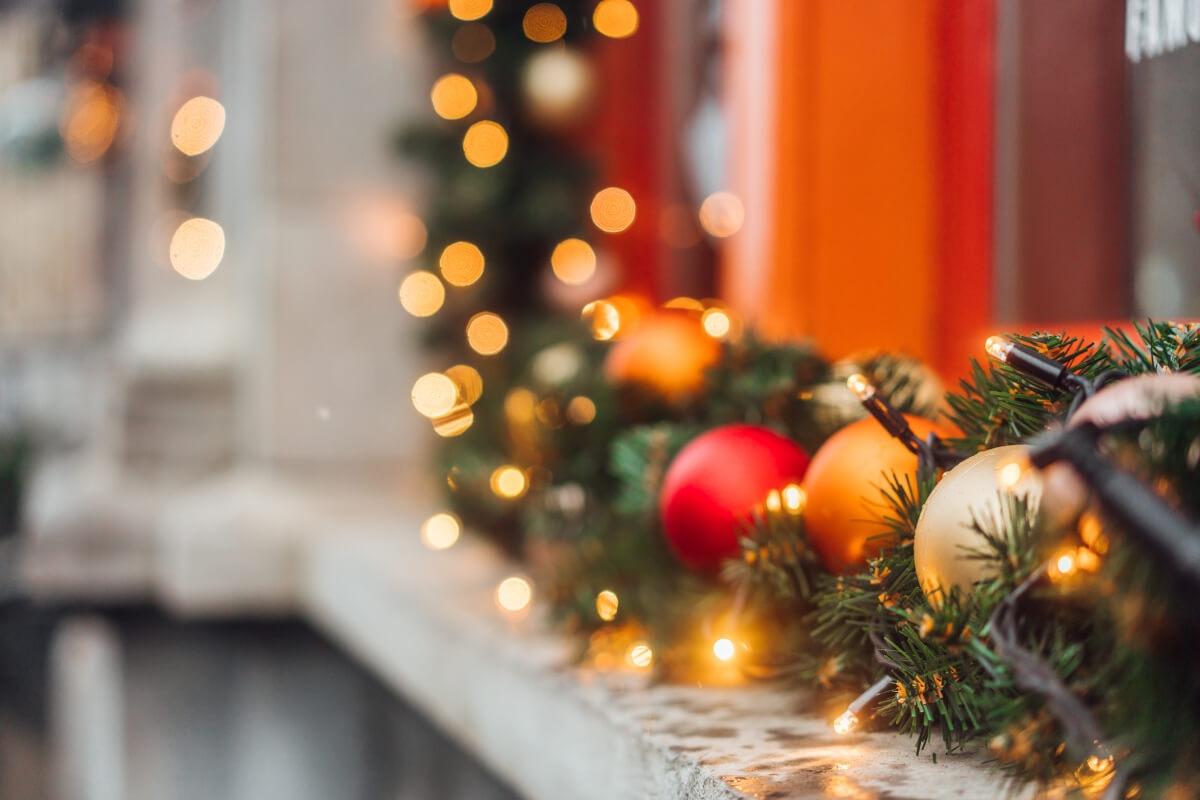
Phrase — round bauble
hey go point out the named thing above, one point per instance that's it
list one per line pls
(666, 354)
(843, 488)
(1133, 398)
(945, 533)
(714, 484)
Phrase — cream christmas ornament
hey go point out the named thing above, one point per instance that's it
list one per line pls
(944, 532)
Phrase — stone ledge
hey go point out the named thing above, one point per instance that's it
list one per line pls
(351, 563)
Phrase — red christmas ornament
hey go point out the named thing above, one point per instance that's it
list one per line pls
(713, 485)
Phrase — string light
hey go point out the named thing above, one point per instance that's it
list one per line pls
(722, 214)
(461, 263)
(514, 594)
(930, 452)
(604, 318)
(613, 209)
(90, 121)
(573, 261)
(434, 395)
(456, 422)
(794, 498)
(473, 43)
(441, 531)
(607, 604)
(509, 482)
(1062, 565)
(197, 125)
(544, 23)
(486, 333)
(1010, 474)
(848, 720)
(616, 19)
(453, 96)
(639, 656)
(468, 381)
(724, 649)
(1033, 364)
(581, 410)
(422, 294)
(774, 501)
(197, 248)
(716, 323)
(469, 10)
(485, 143)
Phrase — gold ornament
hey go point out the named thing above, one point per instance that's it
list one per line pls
(944, 532)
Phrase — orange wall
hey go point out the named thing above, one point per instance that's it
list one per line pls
(852, 171)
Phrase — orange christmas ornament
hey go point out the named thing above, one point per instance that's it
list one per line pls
(667, 353)
(843, 487)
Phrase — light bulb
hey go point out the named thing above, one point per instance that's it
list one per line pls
(858, 384)
(998, 347)
(724, 649)
(846, 723)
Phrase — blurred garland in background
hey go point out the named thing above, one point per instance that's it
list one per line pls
(1007, 608)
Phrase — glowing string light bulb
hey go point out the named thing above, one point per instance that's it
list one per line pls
(514, 594)
(607, 604)
(794, 498)
(639, 656)
(197, 125)
(716, 323)
(441, 531)
(509, 482)
(848, 720)
(724, 649)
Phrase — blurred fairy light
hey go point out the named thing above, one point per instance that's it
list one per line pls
(1010, 474)
(455, 422)
(1062, 565)
(616, 19)
(722, 214)
(486, 333)
(581, 410)
(514, 594)
(774, 501)
(509, 482)
(469, 382)
(469, 10)
(473, 43)
(197, 125)
(639, 656)
(604, 318)
(422, 294)
(90, 120)
(197, 247)
(544, 23)
(573, 261)
(485, 143)
(845, 723)
(685, 304)
(440, 531)
(434, 395)
(461, 263)
(794, 498)
(520, 405)
(613, 209)
(716, 323)
(607, 604)
(724, 649)
(453, 96)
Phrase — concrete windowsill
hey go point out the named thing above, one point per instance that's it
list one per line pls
(505, 689)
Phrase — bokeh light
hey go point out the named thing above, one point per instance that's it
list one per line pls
(573, 261)
(607, 604)
(486, 333)
(613, 209)
(722, 214)
(716, 323)
(581, 410)
(604, 318)
(544, 22)
(456, 422)
(724, 649)
(422, 294)
(434, 395)
(509, 482)
(453, 96)
(197, 248)
(461, 263)
(639, 656)
(468, 10)
(441, 531)
(485, 143)
(473, 43)
(469, 382)
(616, 19)
(197, 125)
(685, 304)
(90, 120)
(794, 498)
(514, 594)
